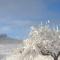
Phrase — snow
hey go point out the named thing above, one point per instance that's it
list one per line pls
(41, 57)
(40, 39)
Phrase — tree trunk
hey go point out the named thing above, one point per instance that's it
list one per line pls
(56, 58)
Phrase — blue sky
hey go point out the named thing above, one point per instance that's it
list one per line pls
(16, 16)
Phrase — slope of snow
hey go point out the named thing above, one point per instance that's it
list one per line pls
(41, 57)
(19, 57)
(13, 57)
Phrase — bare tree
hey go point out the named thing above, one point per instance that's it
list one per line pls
(46, 40)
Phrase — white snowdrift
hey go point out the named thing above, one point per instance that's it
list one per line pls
(19, 57)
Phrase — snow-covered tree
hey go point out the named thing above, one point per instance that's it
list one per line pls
(46, 40)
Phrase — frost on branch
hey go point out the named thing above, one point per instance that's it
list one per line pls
(45, 40)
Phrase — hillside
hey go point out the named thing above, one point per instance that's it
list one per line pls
(4, 39)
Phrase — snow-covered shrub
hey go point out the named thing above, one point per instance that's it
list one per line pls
(46, 40)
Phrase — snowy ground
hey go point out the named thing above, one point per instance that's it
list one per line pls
(6, 54)
(39, 57)
(7, 49)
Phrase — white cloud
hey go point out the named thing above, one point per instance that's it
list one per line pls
(5, 29)
(8, 26)
(15, 23)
